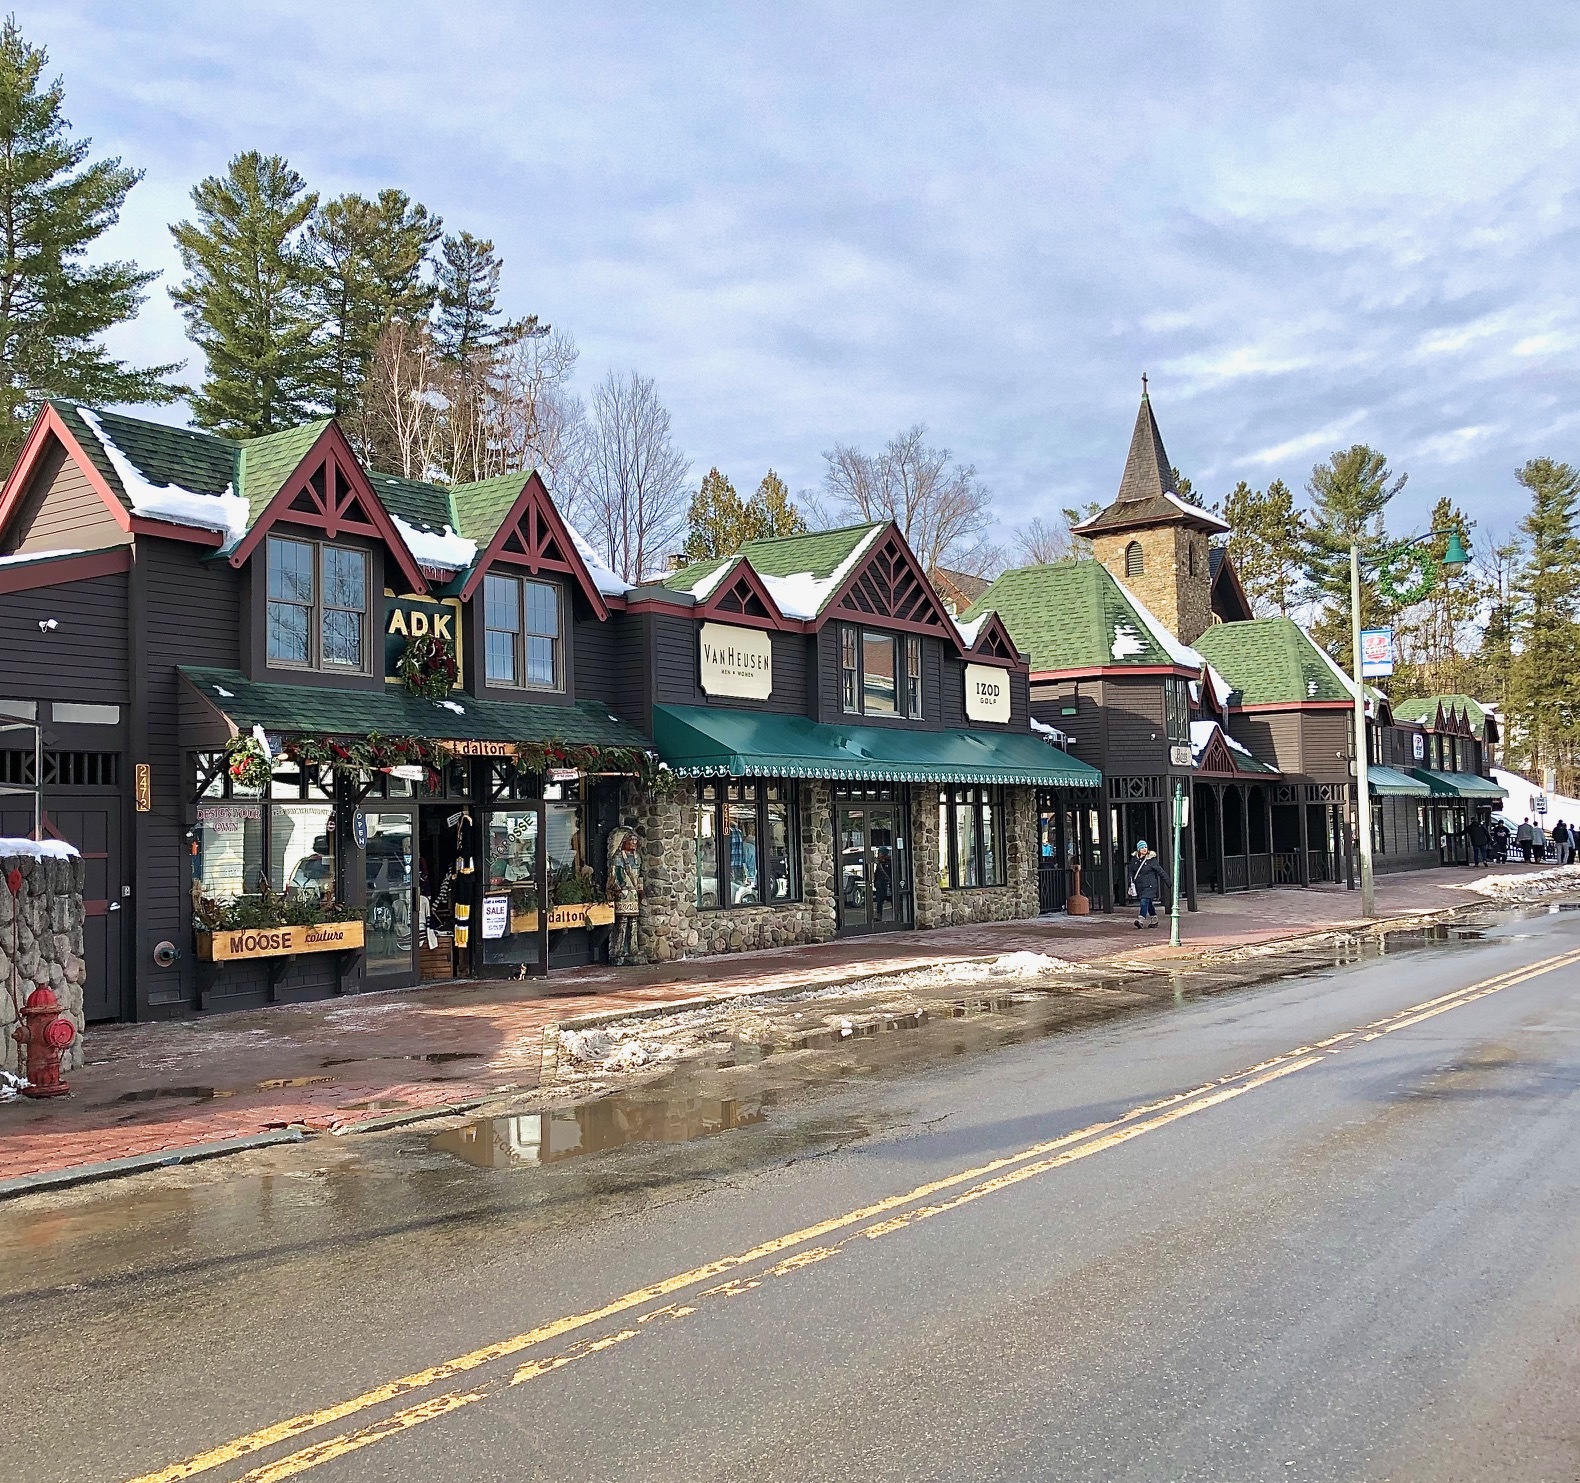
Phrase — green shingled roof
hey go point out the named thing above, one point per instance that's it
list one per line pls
(392, 712)
(427, 506)
(201, 462)
(689, 577)
(267, 462)
(1271, 661)
(1425, 707)
(1069, 615)
(819, 552)
(480, 508)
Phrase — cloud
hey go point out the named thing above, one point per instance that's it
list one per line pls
(1326, 439)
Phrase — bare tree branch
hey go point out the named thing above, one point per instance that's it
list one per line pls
(637, 476)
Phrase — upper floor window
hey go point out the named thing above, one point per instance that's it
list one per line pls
(521, 621)
(880, 673)
(1176, 710)
(1135, 560)
(317, 605)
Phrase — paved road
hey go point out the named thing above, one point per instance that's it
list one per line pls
(1312, 1230)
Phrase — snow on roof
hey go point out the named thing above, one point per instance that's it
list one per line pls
(1197, 511)
(1201, 733)
(801, 595)
(226, 512)
(1126, 642)
(1343, 678)
(703, 587)
(1180, 654)
(22, 558)
(443, 548)
(1042, 728)
(603, 579)
(969, 631)
(37, 849)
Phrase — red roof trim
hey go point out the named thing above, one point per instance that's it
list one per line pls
(944, 628)
(168, 530)
(535, 507)
(64, 569)
(1107, 670)
(1301, 705)
(333, 452)
(49, 423)
(742, 570)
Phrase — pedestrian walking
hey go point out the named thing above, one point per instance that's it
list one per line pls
(1480, 841)
(1563, 842)
(1149, 884)
(1500, 841)
(1525, 838)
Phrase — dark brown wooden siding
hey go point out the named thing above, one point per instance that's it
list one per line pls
(675, 679)
(62, 511)
(1137, 737)
(1051, 698)
(83, 658)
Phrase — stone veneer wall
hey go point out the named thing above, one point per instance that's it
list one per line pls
(1180, 601)
(671, 926)
(41, 938)
(936, 907)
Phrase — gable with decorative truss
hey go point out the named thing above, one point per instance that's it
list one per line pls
(993, 644)
(890, 584)
(741, 597)
(329, 492)
(532, 536)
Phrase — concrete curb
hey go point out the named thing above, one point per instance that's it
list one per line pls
(138, 1163)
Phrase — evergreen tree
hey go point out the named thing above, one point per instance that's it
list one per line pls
(369, 257)
(1187, 490)
(1548, 587)
(770, 513)
(717, 520)
(53, 305)
(469, 322)
(1348, 496)
(1265, 544)
(1434, 634)
(1494, 659)
(249, 298)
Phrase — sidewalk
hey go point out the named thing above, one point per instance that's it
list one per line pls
(170, 1085)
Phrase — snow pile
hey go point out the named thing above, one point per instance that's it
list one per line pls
(226, 512)
(1019, 967)
(603, 579)
(1521, 802)
(1559, 877)
(444, 548)
(37, 849)
(1053, 734)
(969, 631)
(801, 595)
(11, 1086)
(614, 1048)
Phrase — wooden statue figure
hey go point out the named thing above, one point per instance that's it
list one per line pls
(625, 891)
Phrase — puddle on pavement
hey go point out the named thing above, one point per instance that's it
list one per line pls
(186, 1094)
(434, 1058)
(595, 1127)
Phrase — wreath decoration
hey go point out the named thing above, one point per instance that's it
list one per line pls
(371, 753)
(427, 666)
(1394, 572)
(248, 762)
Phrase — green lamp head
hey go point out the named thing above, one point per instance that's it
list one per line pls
(1456, 558)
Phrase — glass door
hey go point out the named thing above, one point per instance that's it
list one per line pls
(852, 835)
(391, 890)
(885, 867)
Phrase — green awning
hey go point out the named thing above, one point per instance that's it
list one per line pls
(1387, 783)
(331, 711)
(698, 741)
(1460, 784)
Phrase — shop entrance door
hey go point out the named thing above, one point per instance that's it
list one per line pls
(389, 873)
(873, 876)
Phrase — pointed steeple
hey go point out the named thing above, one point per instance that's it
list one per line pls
(1148, 494)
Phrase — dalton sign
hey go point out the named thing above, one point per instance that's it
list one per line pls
(737, 661)
(987, 693)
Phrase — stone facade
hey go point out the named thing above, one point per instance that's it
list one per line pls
(40, 943)
(937, 907)
(1174, 584)
(670, 925)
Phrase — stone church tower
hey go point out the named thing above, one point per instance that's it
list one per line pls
(1155, 542)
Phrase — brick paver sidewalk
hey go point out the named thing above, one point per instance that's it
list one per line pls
(173, 1084)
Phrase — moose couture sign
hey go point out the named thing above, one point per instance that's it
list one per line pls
(737, 661)
(987, 693)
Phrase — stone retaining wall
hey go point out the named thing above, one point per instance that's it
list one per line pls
(41, 939)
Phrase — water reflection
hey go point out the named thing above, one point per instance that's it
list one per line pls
(614, 1122)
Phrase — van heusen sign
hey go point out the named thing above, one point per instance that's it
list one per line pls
(273, 942)
(737, 661)
(409, 616)
(987, 693)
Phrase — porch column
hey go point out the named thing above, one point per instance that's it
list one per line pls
(1305, 832)
(1223, 884)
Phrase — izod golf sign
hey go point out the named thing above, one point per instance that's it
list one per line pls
(737, 661)
(987, 693)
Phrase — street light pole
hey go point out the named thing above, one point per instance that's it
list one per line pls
(1179, 823)
(1363, 800)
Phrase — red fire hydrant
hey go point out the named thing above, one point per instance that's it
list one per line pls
(44, 1035)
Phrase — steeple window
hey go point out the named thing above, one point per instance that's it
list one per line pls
(1135, 560)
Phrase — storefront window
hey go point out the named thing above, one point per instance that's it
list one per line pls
(317, 605)
(302, 847)
(746, 850)
(970, 838)
(570, 879)
(229, 856)
(510, 907)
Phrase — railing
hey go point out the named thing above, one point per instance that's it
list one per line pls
(1286, 868)
(1052, 887)
(1261, 870)
(1236, 873)
(1318, 867)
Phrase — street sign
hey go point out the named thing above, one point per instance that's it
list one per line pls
(1378, 652)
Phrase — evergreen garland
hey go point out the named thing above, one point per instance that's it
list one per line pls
(427, 666)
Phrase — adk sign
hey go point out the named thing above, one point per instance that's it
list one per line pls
(737, 661)
(987, 693)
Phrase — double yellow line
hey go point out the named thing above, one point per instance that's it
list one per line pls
(779, 1258)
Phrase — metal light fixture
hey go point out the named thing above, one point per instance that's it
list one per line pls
(1456, 558)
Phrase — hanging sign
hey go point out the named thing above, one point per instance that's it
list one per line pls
(477, 748)
(1418, 747)
(1378, 654)
(737, 661)
(987, 693)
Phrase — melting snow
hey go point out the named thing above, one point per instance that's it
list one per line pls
(22, 558)
(450, 705)
(37, 849)
(801, 595)
(228, 694)
(969, 631)
(1042, 728)
(437, 548)
(226, 512)
(1126, 642)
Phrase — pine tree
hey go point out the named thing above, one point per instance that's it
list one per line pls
(717, 520)
(469, 321)
(1548, 586)
(1434, 634)
(370, 257)
(53, 306)
(770, 512)
(1265, 544)
(1187, 490)
(249, 298)
(1494, 659)
(1348, 496)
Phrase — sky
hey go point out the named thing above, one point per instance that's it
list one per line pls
(1310, 225)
